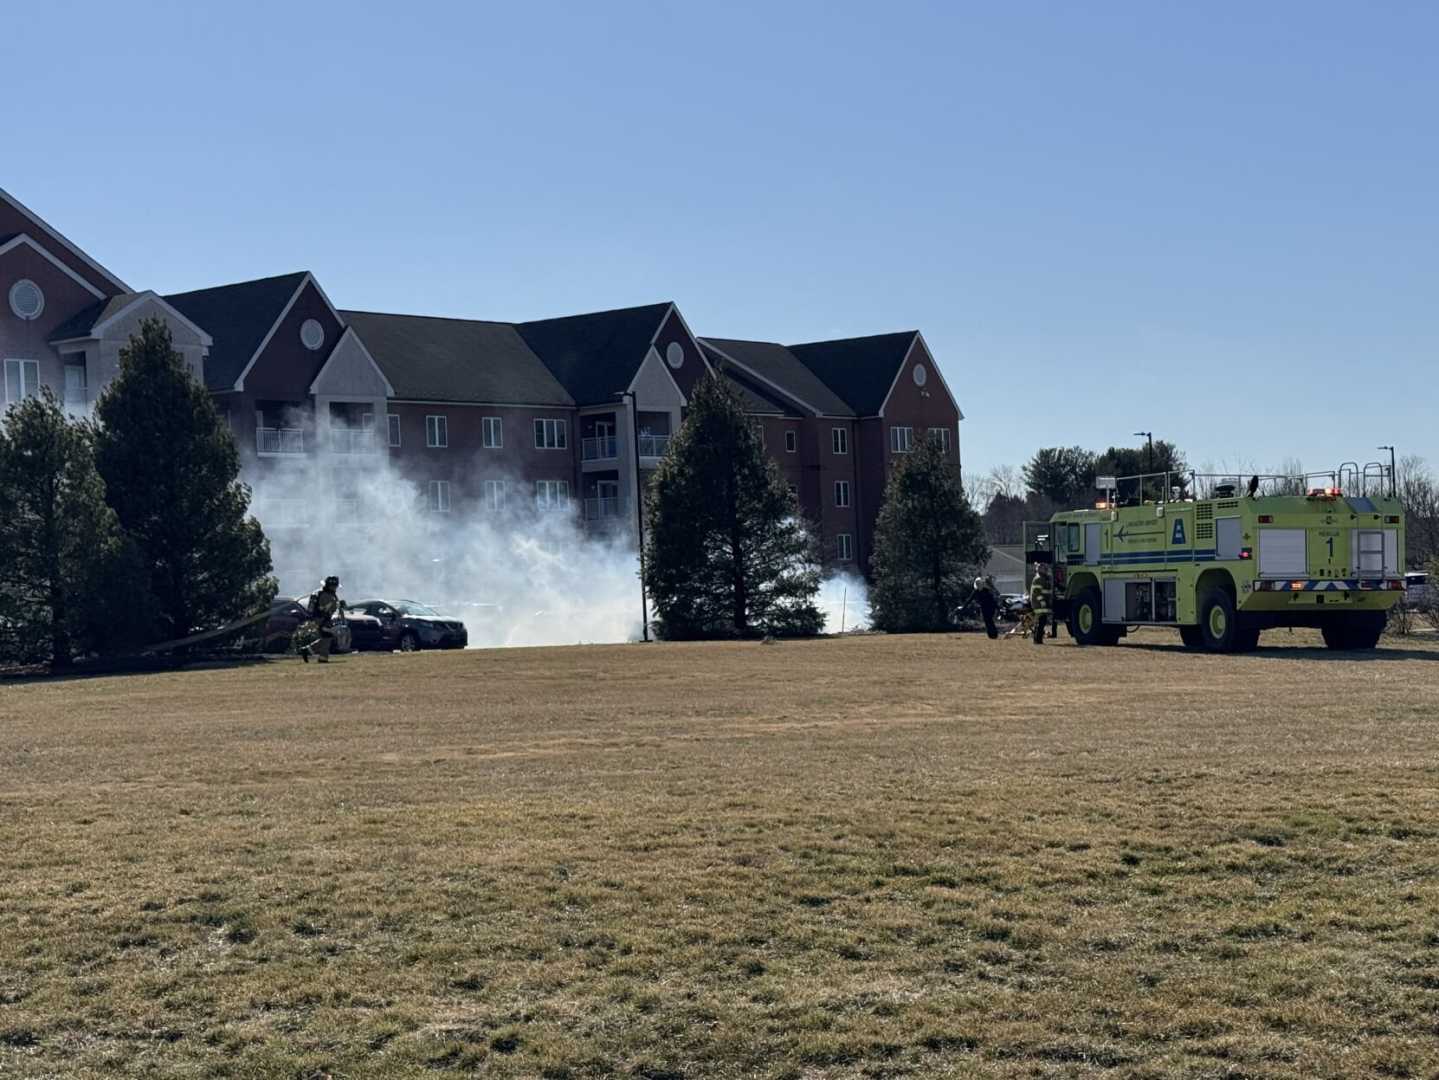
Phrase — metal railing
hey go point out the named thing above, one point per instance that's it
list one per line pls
(653, 445)
(599, 448)
(353, 441)
(280, 440)
(600, 509)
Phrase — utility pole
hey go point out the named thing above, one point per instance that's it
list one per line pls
(1393, 477)
(639, 508)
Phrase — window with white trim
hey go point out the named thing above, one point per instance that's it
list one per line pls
(77, 389)
(437, 432)
(839, 440)
(552, 494)
(941, 436)
(494, 494)
(393, 420)
(492, 432)
(841, 493)
(844, 547)
(439, 496)
(791, 441)
(22, 380)
(551, 434)
(901, 440)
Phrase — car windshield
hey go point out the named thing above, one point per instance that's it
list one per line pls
(409, 607)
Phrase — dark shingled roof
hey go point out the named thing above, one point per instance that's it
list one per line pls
(756, 398)
(860, 370)
(780, 366)
(238, 317)
(82, 322)
(435, 359)
(597, 355)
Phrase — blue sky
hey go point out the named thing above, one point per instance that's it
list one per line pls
(1214, 221)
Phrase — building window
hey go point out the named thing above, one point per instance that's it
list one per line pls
(492, 433)
(437, 432)
(76, 380)
(550, 434)
(844, 547)
(394, 422)
(841, 493)
(439, 496)
(26, 300)
(791, 441)
(901, 439)
(757, 426)
(839, 440)
(22, 380)
(494, 494)
(552, 494)
(941, 436)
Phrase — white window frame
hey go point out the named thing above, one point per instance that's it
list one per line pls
(20, 366)
(839, 440)
(841, 493)
(552, 495)
(943, 433)
(551, 434)
(492, 432)
(495, 491)
(791, 441)
(844, 547)
(72, 364)
(392, 428)
(901, 440)
(437, 431)
(439, 496)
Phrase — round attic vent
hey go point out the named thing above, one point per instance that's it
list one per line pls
(26, 299)
(312, 334)
(920, 375)
(675, 354)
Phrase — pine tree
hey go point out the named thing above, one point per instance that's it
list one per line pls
(64, 585)
(726, 554)
(928, 545)
(171, 472)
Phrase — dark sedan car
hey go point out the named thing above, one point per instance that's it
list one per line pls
(407, 626)
(286, 615)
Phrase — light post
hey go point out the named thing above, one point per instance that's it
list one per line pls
(1150, 436)
(639, 508)
(1393, 478)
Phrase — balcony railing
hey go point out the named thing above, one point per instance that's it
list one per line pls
(353, 441)
(654, 445)
(270, 440)
(600, 448)
(601, 509)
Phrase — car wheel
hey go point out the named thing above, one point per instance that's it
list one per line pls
(409, 643)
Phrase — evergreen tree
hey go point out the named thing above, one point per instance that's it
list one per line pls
(726, 553)
(171, 472)
(928, 545)
(1062, 474)
(66, 573)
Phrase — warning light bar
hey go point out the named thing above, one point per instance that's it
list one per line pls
(1324, 493)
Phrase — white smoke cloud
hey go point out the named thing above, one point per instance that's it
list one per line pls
(517, 576)
(844, 600)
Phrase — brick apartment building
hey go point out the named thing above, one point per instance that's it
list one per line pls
(565, 415)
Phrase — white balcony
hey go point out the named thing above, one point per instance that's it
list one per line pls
(353, 441)
(653, 446)
(600, 448)
(603, 509)
(279, 440)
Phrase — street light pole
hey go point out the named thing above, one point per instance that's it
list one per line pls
(1150, 436)
(639, 508)
(1393, 478)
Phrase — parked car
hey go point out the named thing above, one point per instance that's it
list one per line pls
(408, 626)
(286, 615)
(1416, 590)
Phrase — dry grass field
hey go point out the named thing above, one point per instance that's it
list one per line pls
(867, 857)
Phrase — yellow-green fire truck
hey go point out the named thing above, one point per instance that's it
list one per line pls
(1222, 568)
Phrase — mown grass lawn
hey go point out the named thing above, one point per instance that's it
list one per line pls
(877, 857)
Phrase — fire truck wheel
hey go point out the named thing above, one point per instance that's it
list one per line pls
(1085, 623)
(1218, 622)
(1192, 636)
(1360, 630)
(1246, 640)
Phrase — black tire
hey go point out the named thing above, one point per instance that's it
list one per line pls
(1247, 639)
(1356, 632)
(1192, 636)
(1218, 621)
(409, 643)
(1085, 618)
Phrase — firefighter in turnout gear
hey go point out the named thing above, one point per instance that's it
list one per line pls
(324, 606)
(1039, 600)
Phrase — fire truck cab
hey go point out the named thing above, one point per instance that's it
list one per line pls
(1325, 550)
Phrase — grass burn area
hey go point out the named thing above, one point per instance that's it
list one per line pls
(861, 857)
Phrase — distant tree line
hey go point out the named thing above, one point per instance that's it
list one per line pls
(127, 528)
